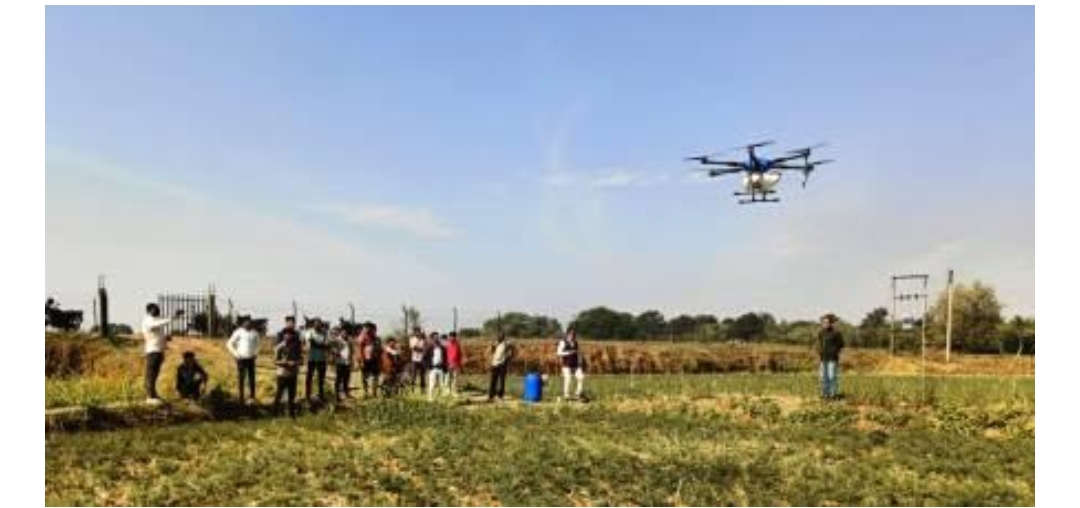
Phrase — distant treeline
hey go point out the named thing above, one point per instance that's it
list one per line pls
(978, 326)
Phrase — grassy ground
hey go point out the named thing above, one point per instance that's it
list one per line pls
(698, 440)
(85, 371)
(707, 439)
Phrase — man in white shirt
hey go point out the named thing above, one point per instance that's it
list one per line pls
(501, 354)
(243, 345)
(417, 346)
(153, 331)
(436, 366)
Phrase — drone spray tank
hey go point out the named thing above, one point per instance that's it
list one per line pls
(760, 181)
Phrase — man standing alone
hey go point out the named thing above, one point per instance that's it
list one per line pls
(501, 354)
(570, 356)
(830, 342)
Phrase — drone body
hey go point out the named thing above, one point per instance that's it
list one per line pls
(760, 174)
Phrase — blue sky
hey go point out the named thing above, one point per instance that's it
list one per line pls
(529, 158)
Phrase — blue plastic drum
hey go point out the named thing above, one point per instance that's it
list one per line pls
(534, 387)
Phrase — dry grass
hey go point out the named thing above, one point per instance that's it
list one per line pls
(85, 370)
(630, 357)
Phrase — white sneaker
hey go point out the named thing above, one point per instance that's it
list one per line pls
(154, 402)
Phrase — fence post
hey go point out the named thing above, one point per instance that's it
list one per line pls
(103, 297)
(211, 331)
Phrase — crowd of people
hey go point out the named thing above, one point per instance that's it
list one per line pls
(432, 363)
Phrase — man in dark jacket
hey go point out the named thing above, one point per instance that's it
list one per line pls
(288, 355)
(830, 342)
(191, 378)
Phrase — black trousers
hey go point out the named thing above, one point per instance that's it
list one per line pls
(313, 369)
(341, 381)
(245, 368)
(286, 385)
(153, 369)
(191, 391)
(498, 381)
(419, 370)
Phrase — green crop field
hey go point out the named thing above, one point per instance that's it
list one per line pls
(759, 439)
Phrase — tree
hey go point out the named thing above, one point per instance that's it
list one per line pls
(800, 332)
(748, 326)
(976, 317)
(874, 328)
(469, 333)
(1017, 336)
(410, 319)
(520, 324)
(683, 325)
(604, 323)
(650, 324)
(706, 327)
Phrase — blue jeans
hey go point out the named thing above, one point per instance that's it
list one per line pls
(830, 378)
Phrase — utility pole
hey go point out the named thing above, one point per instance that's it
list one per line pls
(948, 317)
(294, 311)
(455, 320)
(920, 293)
(892, 321)
(211, 309)
(352, 313)
(103, 299)
(926, 310)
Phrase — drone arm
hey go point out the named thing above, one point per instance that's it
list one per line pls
(733, 164)
(786, 158)
(724, 171)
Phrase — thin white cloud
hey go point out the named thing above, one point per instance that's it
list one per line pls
(149, 236)
(609, 179)
(419, 222)
(616, 179)
(560, 179)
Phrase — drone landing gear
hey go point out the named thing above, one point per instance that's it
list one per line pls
(757, 197)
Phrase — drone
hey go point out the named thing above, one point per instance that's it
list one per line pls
(761, 174)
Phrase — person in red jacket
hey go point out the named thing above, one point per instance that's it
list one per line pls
(454, 361)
